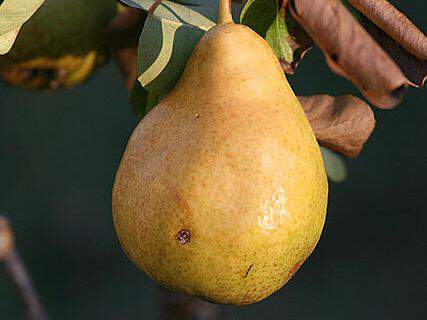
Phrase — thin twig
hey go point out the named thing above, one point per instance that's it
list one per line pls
(284, 3)
(154, 6)
(123, 35)
(18, 275)
(174, 306)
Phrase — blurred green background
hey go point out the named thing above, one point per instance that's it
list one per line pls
(58, 156)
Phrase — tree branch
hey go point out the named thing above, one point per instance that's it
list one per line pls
(18, 275)
(154, 6)
(123, 34)
(174, 306)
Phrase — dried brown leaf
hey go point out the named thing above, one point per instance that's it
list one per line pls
(342, 124)
(412, 67)
(350, 51)
(395, 24)
(299, 41)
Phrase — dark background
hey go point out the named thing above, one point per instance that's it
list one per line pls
(58, 157)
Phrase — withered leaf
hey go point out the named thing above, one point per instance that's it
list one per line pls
(412, 67)
(350, 51)
(395, 24)
(342, 124)
(299, 41)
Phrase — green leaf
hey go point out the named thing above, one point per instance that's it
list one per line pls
(13, 14)
(168, 39)
(277, 36)
(334, 165)
(141, 100)
(286, 37)
(259, 15)
(164, 48)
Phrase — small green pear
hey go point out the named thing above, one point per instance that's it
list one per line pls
(222, 192)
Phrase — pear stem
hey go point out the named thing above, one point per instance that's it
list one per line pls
(225, 12)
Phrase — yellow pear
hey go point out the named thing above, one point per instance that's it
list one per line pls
(222, 192)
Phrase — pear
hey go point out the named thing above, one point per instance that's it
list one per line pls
(60, 46)
(222, 192)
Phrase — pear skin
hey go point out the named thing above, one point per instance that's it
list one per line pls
(222, 192)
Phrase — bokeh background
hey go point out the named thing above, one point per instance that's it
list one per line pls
(58, 156)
